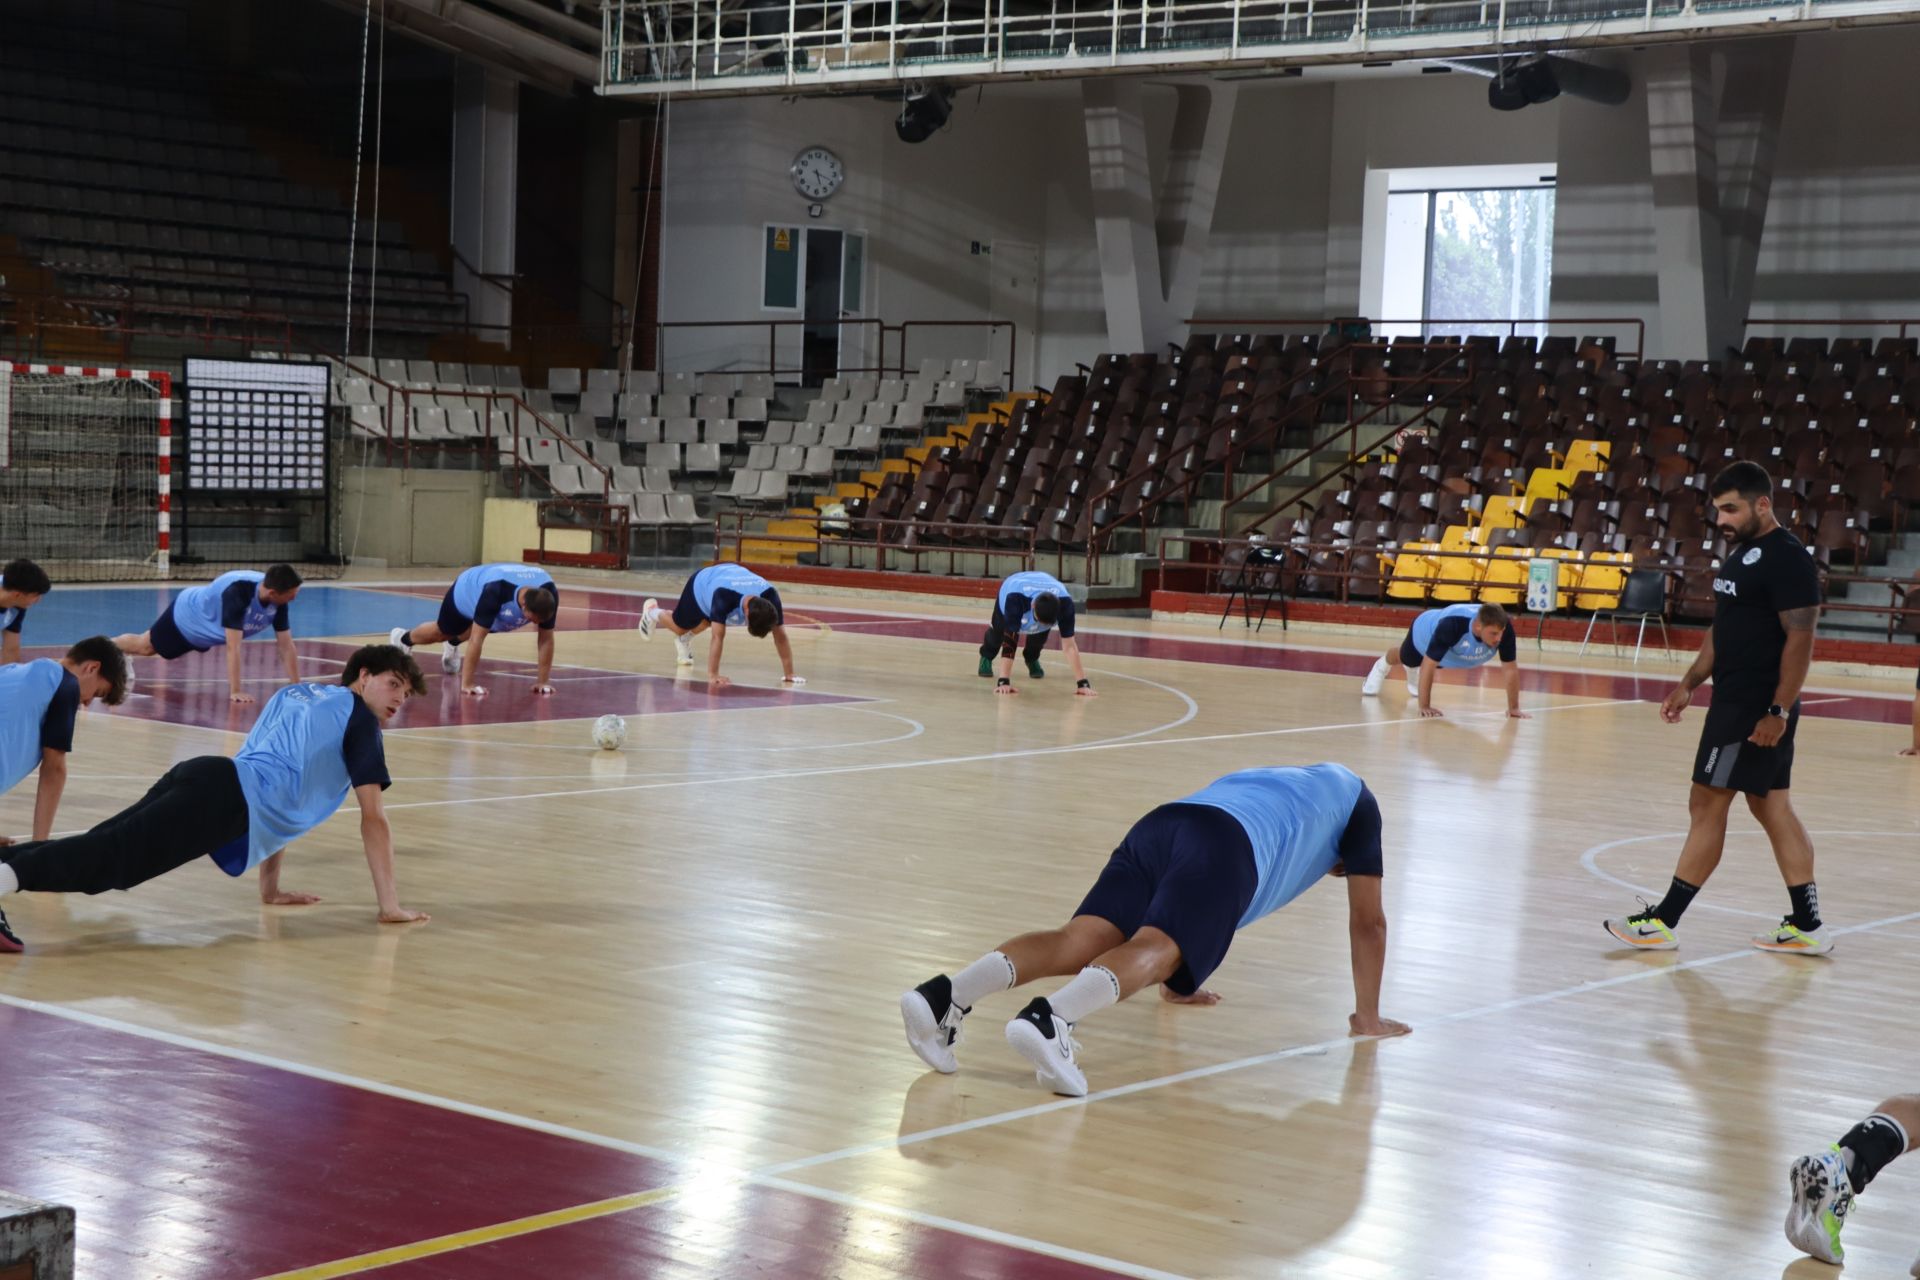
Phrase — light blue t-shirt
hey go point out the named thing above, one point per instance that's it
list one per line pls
(1469, 651)
(293, 769)
(197, 610)
(1032, 583)
(26, 690)
(469, 585)
(742, 581)
(1294, 818)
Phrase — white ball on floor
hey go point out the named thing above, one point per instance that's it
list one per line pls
(609, 733)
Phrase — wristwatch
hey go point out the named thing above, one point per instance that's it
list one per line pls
(1777, 711)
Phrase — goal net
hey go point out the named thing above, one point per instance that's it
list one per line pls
(84, 470)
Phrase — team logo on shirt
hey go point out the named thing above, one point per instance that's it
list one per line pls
(1753, 555)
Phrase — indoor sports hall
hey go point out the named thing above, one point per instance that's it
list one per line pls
(876, 639)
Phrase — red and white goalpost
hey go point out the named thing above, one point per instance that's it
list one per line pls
(86, 470)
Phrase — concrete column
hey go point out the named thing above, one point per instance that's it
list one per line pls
(486, 132)
(1195, 158)
(1751, 108)
(1682, 120)
(1123, 218)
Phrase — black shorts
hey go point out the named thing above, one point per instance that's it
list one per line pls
(1410, 655)
(453, 624)
(167, 640)
(1188, 871)
(1727, 760)
(687, 613)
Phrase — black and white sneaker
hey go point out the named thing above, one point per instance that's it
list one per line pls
(402, 637)
(1046, 1040)
(9, 940)
(933, 1022)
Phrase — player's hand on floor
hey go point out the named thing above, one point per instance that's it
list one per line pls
(1517, 714)
(718, 682)
(1202, 996)
(1006, 690)
(1376, 1026)
(543, 689)
(1086, 691)
(793, 680)
(400, 915)
(474, 690)
(1905, 751)
(239, 697)
(1431, 713)
(289, 898)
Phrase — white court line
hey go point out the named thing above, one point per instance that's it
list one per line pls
(1131, 740)
(771, 1175)
(1591, 861)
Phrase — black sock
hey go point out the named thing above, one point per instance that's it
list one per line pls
(1674, 905)
(1871, 1146)
(1806, 906)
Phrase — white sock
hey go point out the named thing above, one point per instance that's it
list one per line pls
(9, 882)
(990, 973)
(1093, 990)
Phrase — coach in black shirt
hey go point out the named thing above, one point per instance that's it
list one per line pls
(1767, 599)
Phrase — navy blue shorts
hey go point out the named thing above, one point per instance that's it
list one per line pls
(1410, 655)
(1188, 871)
(453, 624)
(687, 614)
(167, 640)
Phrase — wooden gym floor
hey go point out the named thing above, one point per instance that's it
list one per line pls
(651, 1029)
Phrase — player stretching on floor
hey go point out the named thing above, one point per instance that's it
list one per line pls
(1030, 604)
(38, 703)
(224, 612)
(1165, 909)
(312, 745)
(22, 583)
(488, 600)
(718, 597)
(1460, 635)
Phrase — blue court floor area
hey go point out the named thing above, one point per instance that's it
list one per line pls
(69, 613)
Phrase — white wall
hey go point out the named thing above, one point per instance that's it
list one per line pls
(1842, 232)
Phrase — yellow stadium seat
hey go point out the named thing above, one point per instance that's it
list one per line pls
(1588, 455)
(1413, 571)
(1547, 484)
(1461, 540)
(1505, 581)
(1504, 512)
(1603, 579)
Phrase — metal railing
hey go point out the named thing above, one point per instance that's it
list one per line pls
(652, 47)
(1219, 570)
(899, 540)
(900, 365)
(1584, 326)
(1902, 328)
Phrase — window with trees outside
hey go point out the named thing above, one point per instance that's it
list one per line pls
(1468, 254)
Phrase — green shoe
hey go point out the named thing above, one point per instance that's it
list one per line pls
(1035, 670)
(986, 666)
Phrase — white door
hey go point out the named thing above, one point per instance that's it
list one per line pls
(1015, 295)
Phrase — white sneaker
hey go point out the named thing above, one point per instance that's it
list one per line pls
(450, 658)
(933, 1023)
(1413, 684)
(398, 636)
(1375, 678)
(683, 650)
(647, 612)
(1822, 1195)
(1786, 937)
(1047, 1042)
